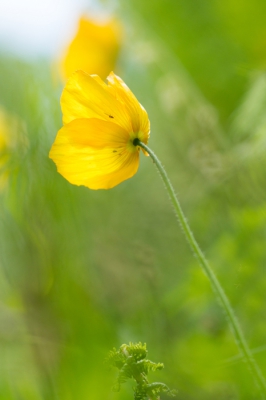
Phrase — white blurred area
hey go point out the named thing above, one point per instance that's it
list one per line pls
(33, 28)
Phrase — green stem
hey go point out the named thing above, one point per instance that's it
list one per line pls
(223, 299)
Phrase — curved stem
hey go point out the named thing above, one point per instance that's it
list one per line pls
(223, 299)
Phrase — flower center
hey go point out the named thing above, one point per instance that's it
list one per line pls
(136, 141)
(133, 143)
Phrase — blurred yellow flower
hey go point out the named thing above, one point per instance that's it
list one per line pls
(95, 146)
(94, 49)
(12, 139)
(3, 146)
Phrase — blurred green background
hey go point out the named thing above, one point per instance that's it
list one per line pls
(82, 271)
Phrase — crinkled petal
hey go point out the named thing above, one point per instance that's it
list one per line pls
(87, 97)
(96, 159)
(138, 115)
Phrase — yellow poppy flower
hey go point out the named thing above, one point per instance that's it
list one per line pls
(95, 146)
(94, 49)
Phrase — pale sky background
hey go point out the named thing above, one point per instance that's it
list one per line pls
(40, 27)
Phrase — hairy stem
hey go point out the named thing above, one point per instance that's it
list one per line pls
(223, 299)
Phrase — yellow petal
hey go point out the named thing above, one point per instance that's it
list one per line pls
(96, 133)
(96, 159)
(86, 97)
(139, 117)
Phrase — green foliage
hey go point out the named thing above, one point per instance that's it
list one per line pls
(132, 364)
(81, 270)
